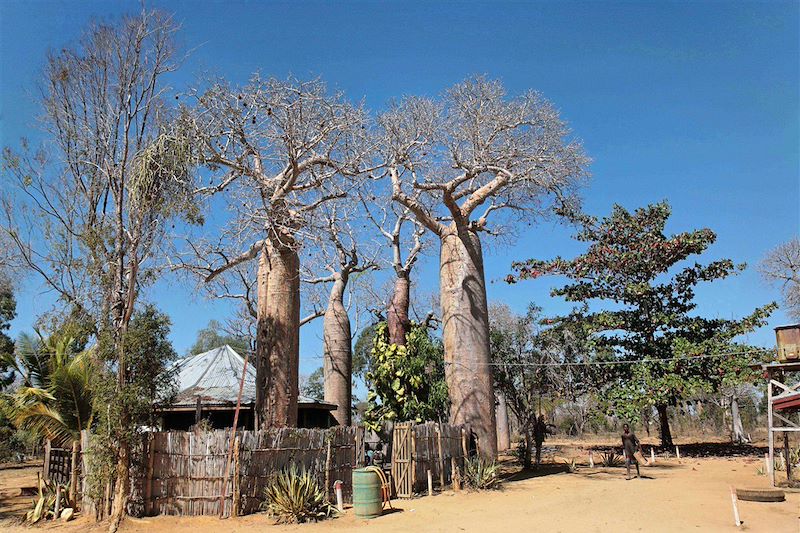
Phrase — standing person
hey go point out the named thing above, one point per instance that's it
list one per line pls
(630, 443)
(540, 432)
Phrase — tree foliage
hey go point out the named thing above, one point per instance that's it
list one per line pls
(648, 303)
(213, 336)
(314, 385)
(8, 310)
(405, 382)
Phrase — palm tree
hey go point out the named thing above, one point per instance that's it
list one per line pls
(54, 399)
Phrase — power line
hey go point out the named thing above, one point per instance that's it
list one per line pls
(614, 362)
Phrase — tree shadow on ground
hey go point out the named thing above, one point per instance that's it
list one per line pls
(697, 449)
(547, 469)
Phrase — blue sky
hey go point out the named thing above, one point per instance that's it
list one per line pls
(692, 102)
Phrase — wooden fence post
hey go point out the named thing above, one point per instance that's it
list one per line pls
(454, 476)
(46, 469)
(328, 469)
(148, 487)
(464, 449)
(413, 461)
(441, 456)
(236, 479)
(73, 474)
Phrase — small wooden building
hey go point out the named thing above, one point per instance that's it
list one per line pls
(208, 386)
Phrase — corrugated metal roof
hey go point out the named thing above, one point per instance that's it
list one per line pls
(214, 376)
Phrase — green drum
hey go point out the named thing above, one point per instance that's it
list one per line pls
(367, 501)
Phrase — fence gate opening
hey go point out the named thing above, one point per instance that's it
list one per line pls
(403, 459)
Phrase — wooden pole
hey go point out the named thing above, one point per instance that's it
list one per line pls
(236, 479)
(328, 469)
(73, 474)
(57, 507)
(148, 488)
(786, 457)
(454, 475)
(430, 483)
(46, 469)
(233, 432)
(441, 457)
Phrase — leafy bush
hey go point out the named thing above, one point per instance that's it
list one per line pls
(294, 496)
(405, 382)
(480, 474)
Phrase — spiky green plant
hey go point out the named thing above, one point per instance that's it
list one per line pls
(295, 496)
(572, 466)
(611, 459)
(45, 502)
(480, 474)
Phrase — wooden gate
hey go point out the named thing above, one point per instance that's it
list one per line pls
(403, 459)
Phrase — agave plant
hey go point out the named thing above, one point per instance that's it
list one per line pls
(480, 474)
(295, 496)
(611, 459)
(572, 465)
(45, 502)
(55, 398)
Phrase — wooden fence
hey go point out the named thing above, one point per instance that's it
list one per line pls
(183, 473)
(419, 448)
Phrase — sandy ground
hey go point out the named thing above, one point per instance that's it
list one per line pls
(690, 495)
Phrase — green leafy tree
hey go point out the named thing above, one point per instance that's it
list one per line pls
(213, 336)
(149, 382)
(8, 310)
(314, 385)
(630, 266)
(530, 366)
(405, 382)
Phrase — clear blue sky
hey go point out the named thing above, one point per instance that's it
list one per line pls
(692, 102)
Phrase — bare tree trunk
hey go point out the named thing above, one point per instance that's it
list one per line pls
(397, 316)
(465, 323)
(278, 336)
(338, 358)
(526, 456)
(738, 435)
(503, 432)
(663, 419)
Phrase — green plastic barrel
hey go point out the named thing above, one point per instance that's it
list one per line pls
(367, 501)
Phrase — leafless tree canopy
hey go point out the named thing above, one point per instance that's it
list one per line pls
(781, 266)
(280, 149)
(87, 210)
(476, 152)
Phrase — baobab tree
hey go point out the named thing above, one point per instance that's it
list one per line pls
(781, 267)
(280, 149)
(339, 252)
(455, 163)
(89, 211)
(404, 236)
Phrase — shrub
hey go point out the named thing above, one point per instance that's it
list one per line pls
(611, 459)
(294, 496)
(45, 502)
(480, 474)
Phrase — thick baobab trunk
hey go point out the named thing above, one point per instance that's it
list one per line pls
(338, 357)
(277, 336)
(738, 435)
(397, 317)
(663, 421)
(465, 323)
(503, 431)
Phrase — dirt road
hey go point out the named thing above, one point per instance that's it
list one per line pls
(692, 495)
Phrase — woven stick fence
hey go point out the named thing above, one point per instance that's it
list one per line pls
(183, 473)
